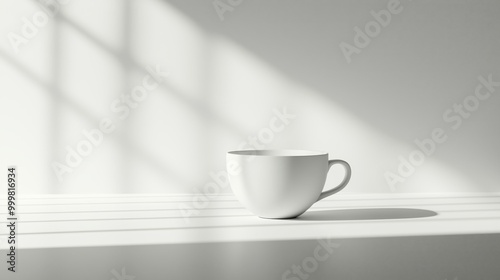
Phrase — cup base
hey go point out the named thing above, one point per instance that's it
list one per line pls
(281, 218)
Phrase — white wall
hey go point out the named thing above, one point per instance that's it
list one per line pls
(228, 76)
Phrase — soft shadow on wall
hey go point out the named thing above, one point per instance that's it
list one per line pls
(427, 59)
(227, 76)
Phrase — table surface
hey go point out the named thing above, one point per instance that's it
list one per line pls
(62, 221)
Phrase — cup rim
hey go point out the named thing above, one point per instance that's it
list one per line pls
(277, 153)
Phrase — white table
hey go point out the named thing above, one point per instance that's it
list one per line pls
(390, 236)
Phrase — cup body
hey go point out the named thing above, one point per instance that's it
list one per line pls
(277, 183)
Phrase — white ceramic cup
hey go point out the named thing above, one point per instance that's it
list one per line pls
(280, 184)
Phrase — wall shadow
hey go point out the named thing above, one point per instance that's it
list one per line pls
(400, 84)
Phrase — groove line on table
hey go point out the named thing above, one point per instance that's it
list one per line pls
(239, 215)
(241, 207)
(215, 199)
(302, 223)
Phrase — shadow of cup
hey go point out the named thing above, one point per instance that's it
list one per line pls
(366, 214)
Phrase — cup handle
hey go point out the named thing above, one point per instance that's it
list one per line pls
(344, 182)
